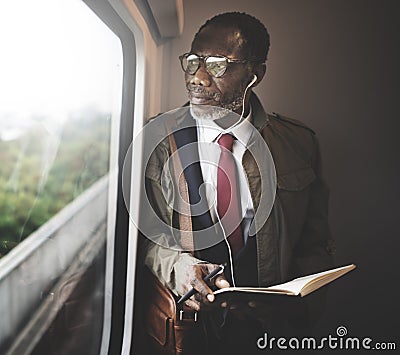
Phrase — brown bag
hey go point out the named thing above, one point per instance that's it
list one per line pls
(170, 328)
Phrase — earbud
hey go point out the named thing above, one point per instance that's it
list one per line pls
(252, 81)
(244, 96)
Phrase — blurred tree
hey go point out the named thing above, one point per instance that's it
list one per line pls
(41, 172)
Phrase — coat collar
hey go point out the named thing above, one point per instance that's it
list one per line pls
(259, 118)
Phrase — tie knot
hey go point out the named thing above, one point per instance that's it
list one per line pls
(226, 141)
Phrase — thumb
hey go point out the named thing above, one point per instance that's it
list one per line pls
(221, 282)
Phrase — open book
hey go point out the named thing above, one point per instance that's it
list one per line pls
(301, 286)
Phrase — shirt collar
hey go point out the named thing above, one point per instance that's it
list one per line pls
(210, 131)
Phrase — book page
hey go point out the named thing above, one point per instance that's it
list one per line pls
(297, 285)
(302, 285)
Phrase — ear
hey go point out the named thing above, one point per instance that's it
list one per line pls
(259, 70)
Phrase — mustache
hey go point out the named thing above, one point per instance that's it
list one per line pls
(203, 91)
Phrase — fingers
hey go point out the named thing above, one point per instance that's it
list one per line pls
(194, 279)
(252, 304)
(198, 283)
(193, 304)
(197, 303)
(232, 306)
(221, 282)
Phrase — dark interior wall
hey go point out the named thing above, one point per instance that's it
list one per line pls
(334, 64)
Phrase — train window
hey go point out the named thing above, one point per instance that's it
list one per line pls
(61, 93)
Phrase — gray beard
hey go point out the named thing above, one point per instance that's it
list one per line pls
(210, 113)
(213, 113)
(235, 104)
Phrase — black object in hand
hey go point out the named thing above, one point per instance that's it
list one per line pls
(206, 278)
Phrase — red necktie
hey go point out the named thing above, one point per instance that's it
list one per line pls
(228, 201)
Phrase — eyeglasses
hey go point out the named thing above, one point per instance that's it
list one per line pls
(215, 65)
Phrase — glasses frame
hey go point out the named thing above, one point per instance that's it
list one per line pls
(204, 59)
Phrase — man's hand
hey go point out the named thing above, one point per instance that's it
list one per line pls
(252, 309)
(194, 278)
(272, 308)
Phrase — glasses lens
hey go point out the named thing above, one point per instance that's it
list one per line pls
(190, 63)
(216, 66)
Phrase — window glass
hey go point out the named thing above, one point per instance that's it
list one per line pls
(60, 97)
(60, 69)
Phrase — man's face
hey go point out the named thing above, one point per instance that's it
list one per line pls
(226, 91)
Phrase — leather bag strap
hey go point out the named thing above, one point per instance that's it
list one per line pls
(185, 220)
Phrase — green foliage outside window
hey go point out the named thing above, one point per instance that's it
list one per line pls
(41, 172)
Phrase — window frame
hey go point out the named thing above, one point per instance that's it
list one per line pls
(121, 242)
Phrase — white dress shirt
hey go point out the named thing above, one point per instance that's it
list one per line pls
(209, 152)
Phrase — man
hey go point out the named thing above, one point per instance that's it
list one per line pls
(226, 60)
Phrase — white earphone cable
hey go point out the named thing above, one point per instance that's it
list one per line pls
(229, 247)
(243, 98)
(216, 212)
